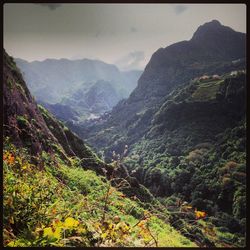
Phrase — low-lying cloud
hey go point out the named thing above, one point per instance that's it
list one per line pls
(133, 60)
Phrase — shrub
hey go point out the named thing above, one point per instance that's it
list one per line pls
(22, 121)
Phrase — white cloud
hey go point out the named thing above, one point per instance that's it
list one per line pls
(133, 60)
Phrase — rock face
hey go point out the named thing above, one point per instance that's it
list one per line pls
(211, 45)
(213, 49)
(28, 125)
(22, 119)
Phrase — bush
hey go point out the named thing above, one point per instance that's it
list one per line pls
(22, 121)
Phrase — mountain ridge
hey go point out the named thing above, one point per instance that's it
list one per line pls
(167, 69)
(182, 53)
(72, 70)
(54, 81)
(181, 134)
(185, 128)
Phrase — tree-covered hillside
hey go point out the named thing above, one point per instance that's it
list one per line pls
(169, 168)
(57, 192)
(185, 127)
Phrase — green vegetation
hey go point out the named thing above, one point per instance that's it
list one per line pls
(22, 121)
(210, 177)
(193, 150)
(20, 87)
(175, 171)
(9, 84)
(51, 203)
(207, 91)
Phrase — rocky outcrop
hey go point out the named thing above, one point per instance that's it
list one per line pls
(22, 119)
(35, 128)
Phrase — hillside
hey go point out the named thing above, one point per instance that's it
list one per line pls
(53, 194)
(185, 128)
(170, 162)
(30, 126)
(59, 82)
(168, 68)
(211, 50)
(178, 63)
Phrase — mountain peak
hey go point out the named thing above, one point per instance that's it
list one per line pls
(212, 28)
(214, 22)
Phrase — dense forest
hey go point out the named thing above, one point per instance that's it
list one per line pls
(164, 167)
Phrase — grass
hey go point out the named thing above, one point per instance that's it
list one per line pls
(207, 91)
(219, 237)
(22, 120)
(42, 205)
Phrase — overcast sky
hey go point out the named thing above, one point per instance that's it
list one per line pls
(122, 34)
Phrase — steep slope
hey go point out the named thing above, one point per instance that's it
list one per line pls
(26, 125)
(177, 64)
(49, 197)
(52, 81)
(196, 150)
(193, 118)
(19, 110)
(185, 128)
(211, 45)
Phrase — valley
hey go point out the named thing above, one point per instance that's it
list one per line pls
(96, 157)
(58, 84)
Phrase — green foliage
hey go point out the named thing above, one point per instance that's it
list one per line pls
(207, 91)
(22, 121)
(10, 84)
(57, 204)
(209, 174)
(20, 87)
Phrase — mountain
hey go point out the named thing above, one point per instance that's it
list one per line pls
(61, 111)
(52, 81)
(176, 149)
(223, 52)
(131, 77)
(211, 45)
(60, 76)
(57, 192)
(185, 127)
(30, 125)
(91, 100)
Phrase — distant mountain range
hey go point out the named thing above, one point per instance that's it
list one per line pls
(59, 82)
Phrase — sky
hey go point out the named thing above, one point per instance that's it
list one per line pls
(123, 34)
